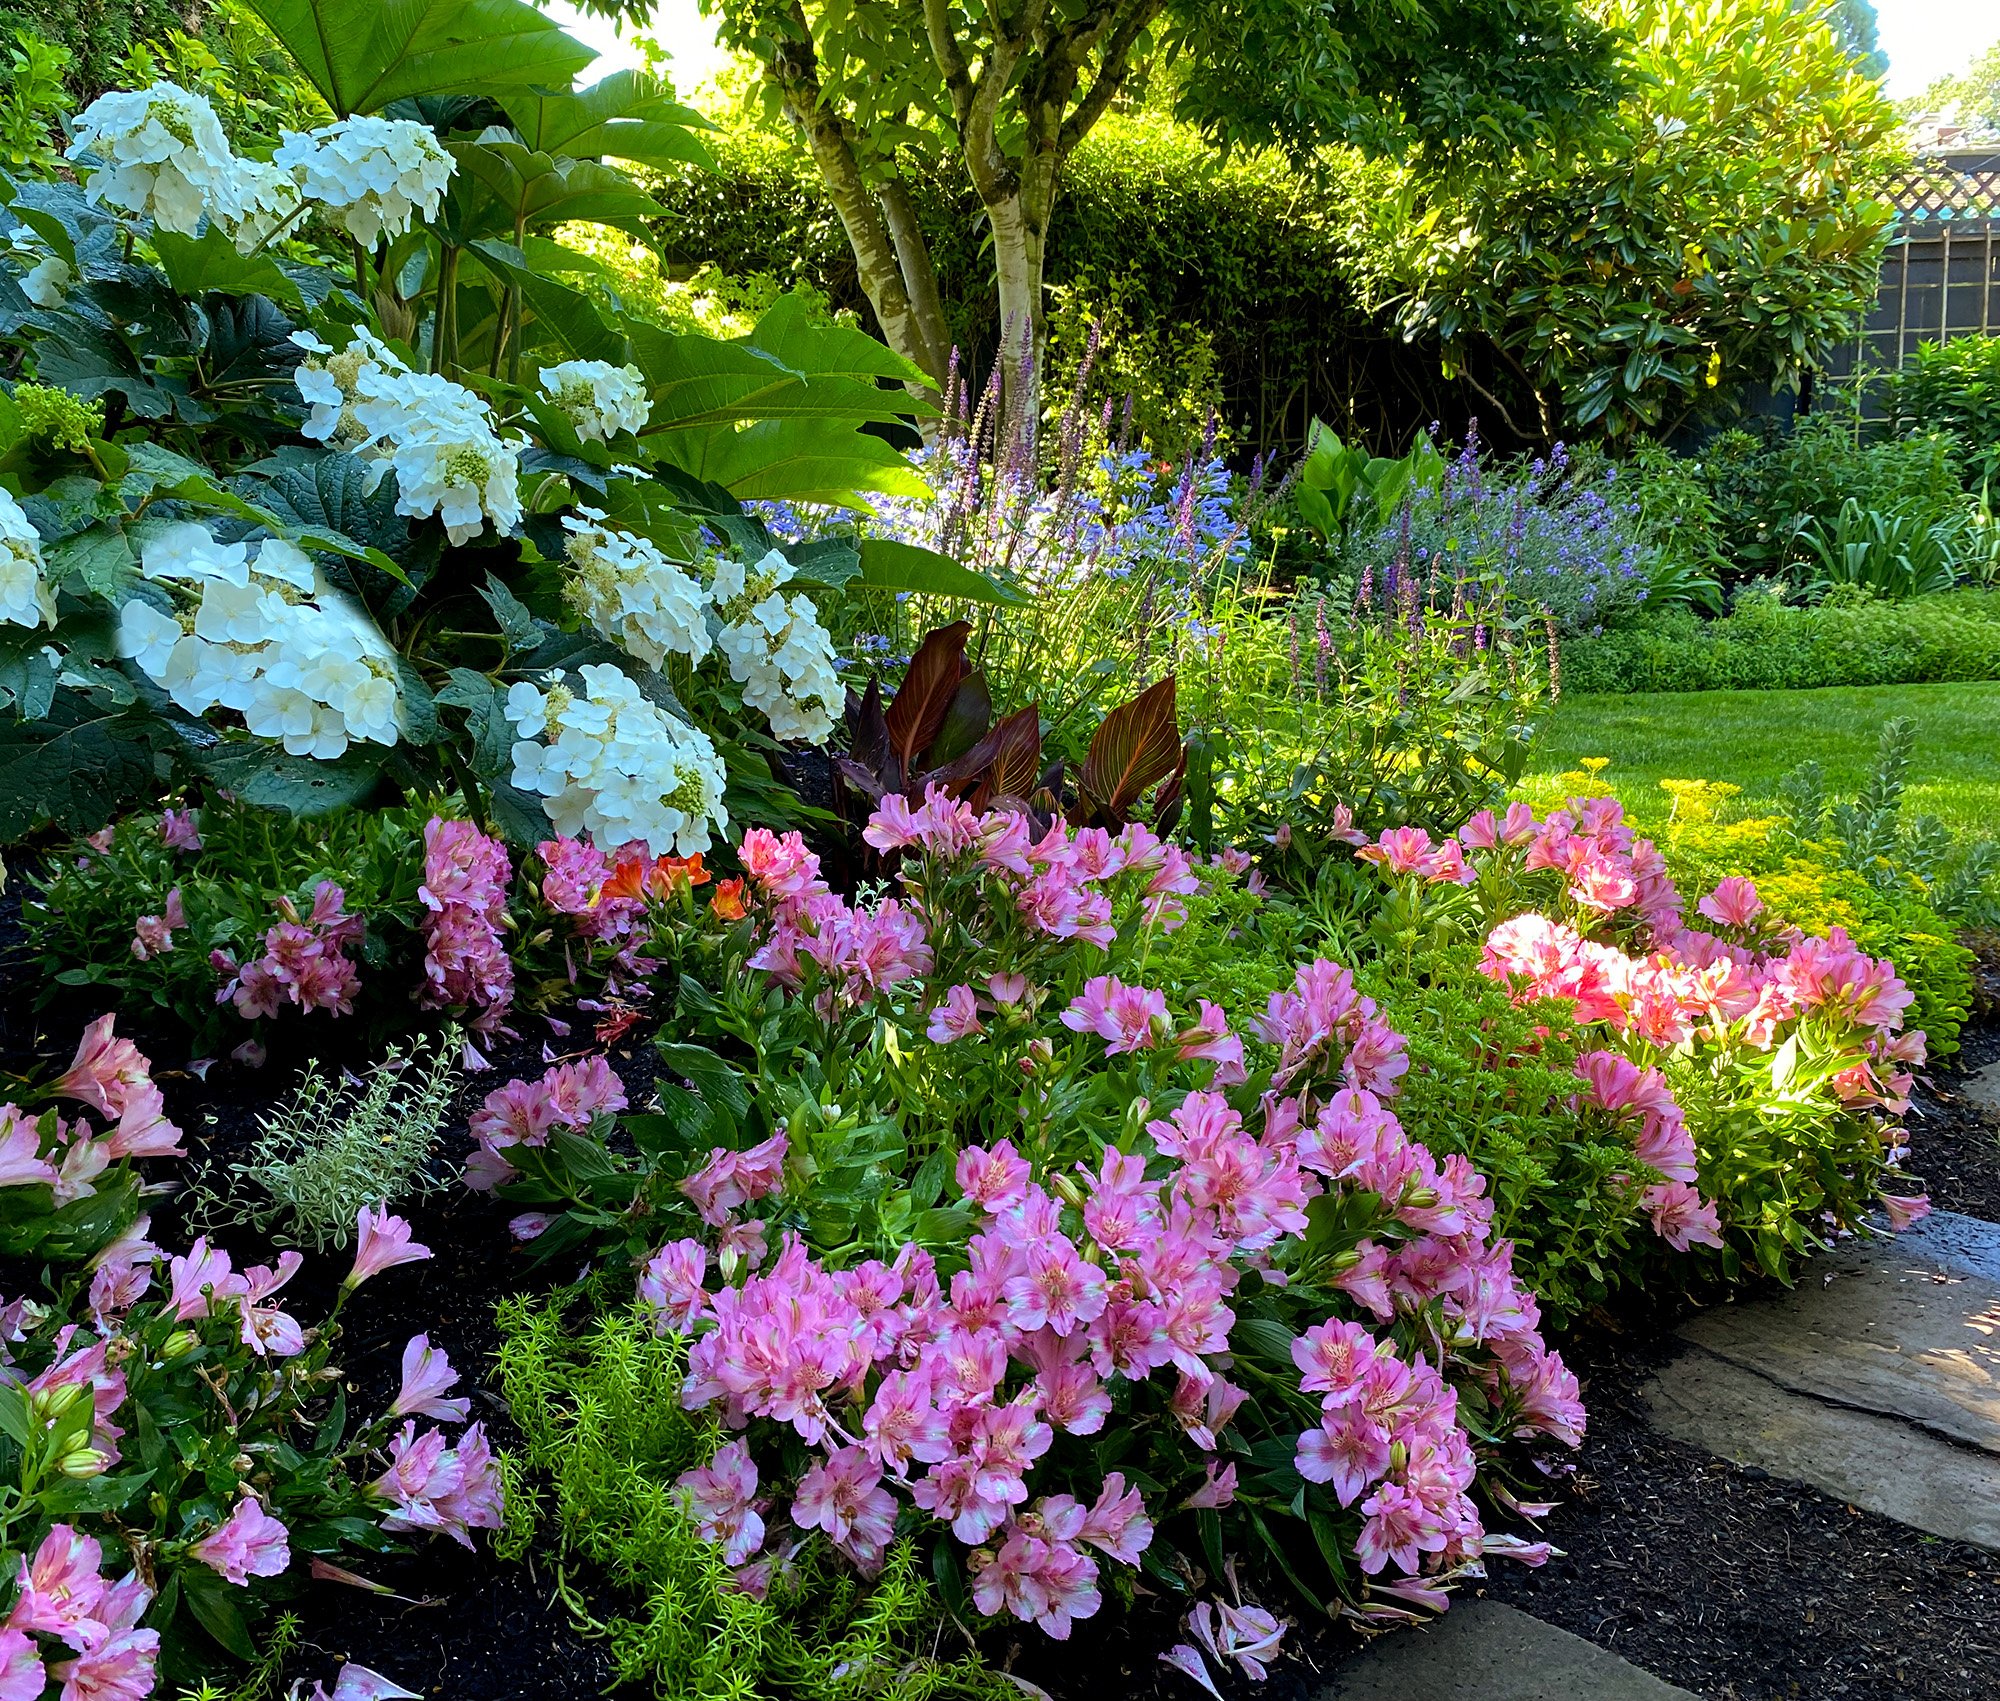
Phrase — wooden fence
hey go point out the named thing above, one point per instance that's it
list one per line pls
(1941, 275)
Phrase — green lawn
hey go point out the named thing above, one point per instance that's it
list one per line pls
(1754, 738)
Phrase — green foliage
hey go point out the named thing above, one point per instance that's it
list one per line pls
(1918, 856)
(332, 1147)
(32, 103)
(1975, 91)
(363, 58)
(1892, 553)
(252, 862)
(599, 1409)
(1722, 229)
(1173, 249)
(1495, 1080)
(1341, 490)
(1765, 644)
(95, 33)
(1954, 387)
(1772, 487)
(1317, 723)
(240, 68)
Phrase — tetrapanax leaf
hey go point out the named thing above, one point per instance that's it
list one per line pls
(1138, 745)
(924, 698)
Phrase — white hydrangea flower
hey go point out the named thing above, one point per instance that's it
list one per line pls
(161, 152)
(438, 437)
(632, 594)
(776, 648)
(48, 276)
(327, 379)
(264, 637)
(375, 172)
(613, 767)
(190, 552)
(25, 599)
(600, 399)
(253, 201)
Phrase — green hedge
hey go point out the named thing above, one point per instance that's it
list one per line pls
(1765, 646)
(1243, 258)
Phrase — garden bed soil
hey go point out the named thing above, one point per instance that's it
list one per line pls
(1716, 1577)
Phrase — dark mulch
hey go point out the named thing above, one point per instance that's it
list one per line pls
(1952, 1146)
(1730, 1583)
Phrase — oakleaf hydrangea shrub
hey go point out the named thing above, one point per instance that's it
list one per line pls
(290, 538)
(175, 1433)
(984, 1245)
(1759, 1073)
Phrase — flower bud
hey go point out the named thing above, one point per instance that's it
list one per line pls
(84, 1462)
(1345, 1261)
(53, 1402)
(179, 1344)
(242, 1464)
(1420, 1199)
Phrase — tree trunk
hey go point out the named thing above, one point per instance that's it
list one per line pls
(890, 257)
(1020, 226)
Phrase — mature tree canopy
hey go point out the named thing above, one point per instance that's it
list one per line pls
(1010, 87)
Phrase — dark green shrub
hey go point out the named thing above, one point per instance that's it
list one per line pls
(97, 33)
(1241, 260)
(1769, 483)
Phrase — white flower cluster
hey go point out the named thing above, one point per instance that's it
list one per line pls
(626, 588)
(600, 399)
(375, 172)
(161, 153)
(263, 636)
(777, 649)
(613, 767)
(437, 436)
(24, 592)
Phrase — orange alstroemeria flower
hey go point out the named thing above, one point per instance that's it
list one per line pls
(661, 877)
(728, 900)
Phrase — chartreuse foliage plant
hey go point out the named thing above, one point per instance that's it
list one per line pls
(606, 1439)
(354, 498)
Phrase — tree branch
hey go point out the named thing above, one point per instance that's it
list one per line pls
(1113, 66)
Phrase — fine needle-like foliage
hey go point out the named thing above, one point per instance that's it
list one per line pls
(603, 1426)
(334, 1146)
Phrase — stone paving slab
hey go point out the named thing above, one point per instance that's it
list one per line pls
(1484, 1651)
(1984, 1091)
(1876, 1380)
(1876, 1463)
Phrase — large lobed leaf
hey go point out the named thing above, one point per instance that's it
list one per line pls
(363, 54)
